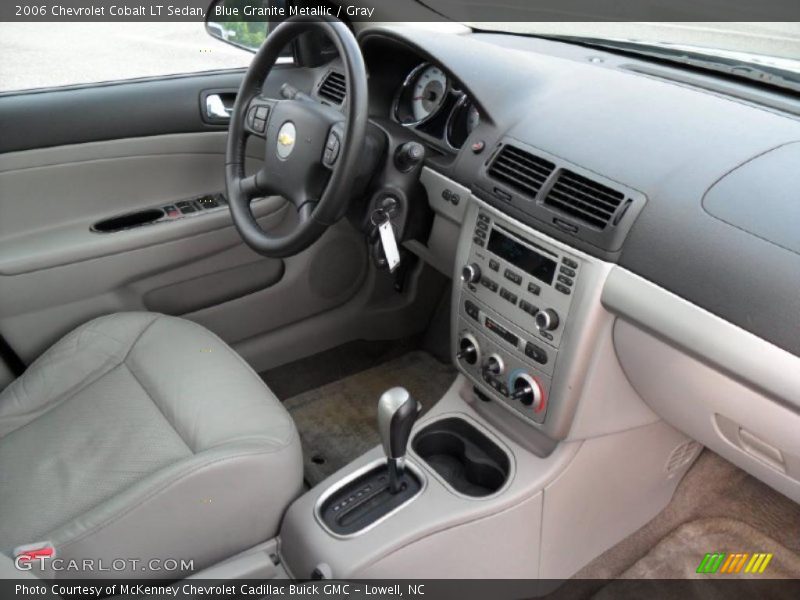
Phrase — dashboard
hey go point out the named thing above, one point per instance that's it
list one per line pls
(657, 137)
(622, 212)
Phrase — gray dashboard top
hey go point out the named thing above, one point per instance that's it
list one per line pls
(666, 138)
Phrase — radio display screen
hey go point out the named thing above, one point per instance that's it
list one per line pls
(531, 262)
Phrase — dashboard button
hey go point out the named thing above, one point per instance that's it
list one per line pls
(567, 271)
(528, 307)
(563, 289)
(483, 225)
(494, 265)
(506, 295)
(488, 283)
(533, 351)
(565, 280)
(512, 276)
(471, 309)
(480, 234)
(478, 241)
(569, 262)
(534, 289)
(483, 217)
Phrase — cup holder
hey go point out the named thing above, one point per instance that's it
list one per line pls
(128, 221)
(464, 457)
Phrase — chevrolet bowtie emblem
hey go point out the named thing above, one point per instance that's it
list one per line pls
(286, 138)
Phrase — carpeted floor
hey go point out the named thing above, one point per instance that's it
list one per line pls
(676, 556)
(713, 489)
(338, 421)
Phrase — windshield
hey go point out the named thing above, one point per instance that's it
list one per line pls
(768, 44)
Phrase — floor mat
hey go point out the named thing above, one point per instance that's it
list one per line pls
(338, 421)
(713, 488)
(679, 554)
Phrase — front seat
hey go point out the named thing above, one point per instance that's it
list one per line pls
(141, 436)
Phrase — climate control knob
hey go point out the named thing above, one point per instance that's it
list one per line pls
(527, 390)
(494, 365)
(471, 273)
(468, 349)
(546, 320)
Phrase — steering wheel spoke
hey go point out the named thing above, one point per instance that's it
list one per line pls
(255, 185)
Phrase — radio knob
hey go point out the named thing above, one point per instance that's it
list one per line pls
(527, 390)
(468, 350)
(471, 273)
(546, 320)
(494, 365)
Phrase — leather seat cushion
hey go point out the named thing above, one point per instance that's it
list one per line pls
(144, 436)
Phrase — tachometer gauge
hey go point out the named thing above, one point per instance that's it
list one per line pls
(422, 95)
(463, 120)
(473, 118)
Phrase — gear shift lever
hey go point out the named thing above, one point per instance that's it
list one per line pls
(397, 412)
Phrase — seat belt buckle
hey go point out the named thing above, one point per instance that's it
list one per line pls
(37, 550)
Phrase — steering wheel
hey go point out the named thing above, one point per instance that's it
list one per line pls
(312, 151)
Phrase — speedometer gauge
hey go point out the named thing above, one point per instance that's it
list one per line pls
(429, 91)
(422, 95)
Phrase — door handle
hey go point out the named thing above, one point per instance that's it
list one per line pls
(216, 109)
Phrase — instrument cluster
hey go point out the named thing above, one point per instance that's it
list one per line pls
(432, 103)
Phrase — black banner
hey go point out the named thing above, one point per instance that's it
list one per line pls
(706, 588)
(469, 11)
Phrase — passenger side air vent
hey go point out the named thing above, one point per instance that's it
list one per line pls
(521, 170)
(333, 88)
(584, 199)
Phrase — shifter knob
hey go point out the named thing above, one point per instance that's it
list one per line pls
(397, 412)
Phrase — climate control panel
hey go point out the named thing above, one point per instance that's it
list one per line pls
(503, 372)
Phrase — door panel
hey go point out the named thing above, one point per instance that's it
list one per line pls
(127, 109)
(48, 210)
(56, 273)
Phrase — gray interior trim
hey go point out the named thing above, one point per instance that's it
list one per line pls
(121, 109)
(742, 355)
(74, 243)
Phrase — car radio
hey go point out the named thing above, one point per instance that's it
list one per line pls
(515, 298)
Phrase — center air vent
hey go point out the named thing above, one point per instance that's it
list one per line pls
(584, 199)
(521, 170)
(333, 88)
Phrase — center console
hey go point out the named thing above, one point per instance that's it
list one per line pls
(492, 479)
(514, 306)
